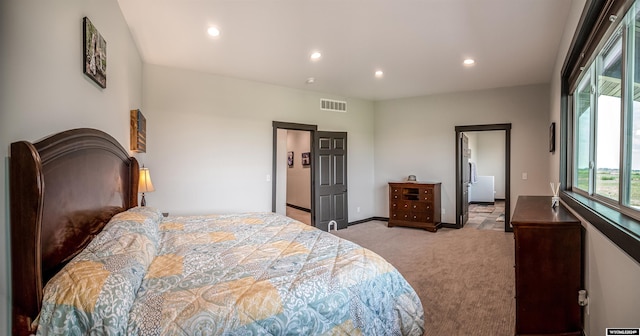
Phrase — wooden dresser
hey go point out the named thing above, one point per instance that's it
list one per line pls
(415, 204)
(548, 256)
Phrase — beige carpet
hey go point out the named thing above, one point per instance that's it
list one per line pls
(465, 277)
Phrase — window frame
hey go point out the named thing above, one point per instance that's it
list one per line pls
(594, 30)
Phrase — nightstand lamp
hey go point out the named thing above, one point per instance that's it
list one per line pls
(144, 184)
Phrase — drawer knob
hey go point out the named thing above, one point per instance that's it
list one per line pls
(396, 196)
(414, 206)
(405, 205)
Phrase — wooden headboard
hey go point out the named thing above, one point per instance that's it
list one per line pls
(63, 191)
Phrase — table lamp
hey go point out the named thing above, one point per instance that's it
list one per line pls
(144, 184)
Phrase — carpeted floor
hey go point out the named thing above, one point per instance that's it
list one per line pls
(465, 277)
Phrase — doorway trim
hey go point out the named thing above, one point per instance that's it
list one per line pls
(507, 169)
(274, 165)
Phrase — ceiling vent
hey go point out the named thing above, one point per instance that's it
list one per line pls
(333, 105)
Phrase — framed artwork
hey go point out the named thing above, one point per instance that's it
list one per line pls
(138, 132)
(290, 159)
(95, 53)
(306, 159)
(552, 137)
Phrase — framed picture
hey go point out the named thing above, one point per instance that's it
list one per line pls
(306, 159)
(290, 159)
(552, 137)
(95, 53)
(138, 132)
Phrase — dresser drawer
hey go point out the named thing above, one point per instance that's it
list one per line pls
(395, 190)
(426, 194)
(412, 216)
(412, 206)
(402, 216)
(426, 217)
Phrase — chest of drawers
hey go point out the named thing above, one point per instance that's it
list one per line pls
(415, 204)
(548, 246)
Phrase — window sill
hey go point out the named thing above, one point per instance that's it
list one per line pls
(622, 230)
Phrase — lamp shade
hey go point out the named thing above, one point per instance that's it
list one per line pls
(144, 181)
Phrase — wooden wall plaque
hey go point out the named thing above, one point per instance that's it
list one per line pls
(138, 132)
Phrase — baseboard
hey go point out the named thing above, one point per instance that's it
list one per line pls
(482, 203)
(386, 219)
(298, 207)
(368, 220)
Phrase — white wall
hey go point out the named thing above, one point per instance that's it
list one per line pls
(299, 176)
(43, 89)
(490, 158)
(417, 136)
(209, 140)
(612, 277)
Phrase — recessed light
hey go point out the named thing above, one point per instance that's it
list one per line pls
(315, 55)
(213, 31)
(310, 80)
(469, 61)
(379, 73)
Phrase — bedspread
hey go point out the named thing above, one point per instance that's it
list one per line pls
(257, 274)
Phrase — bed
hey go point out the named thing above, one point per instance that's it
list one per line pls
(85, 259)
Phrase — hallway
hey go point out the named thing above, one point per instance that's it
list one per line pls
(299, 215)
(486, 217)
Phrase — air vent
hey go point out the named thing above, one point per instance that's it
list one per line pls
(333, 105)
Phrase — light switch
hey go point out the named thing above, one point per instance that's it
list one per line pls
(524, 176)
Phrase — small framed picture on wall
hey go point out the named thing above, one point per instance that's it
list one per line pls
(95, 53)
(138, 132)
(306, 159)
(290, 159)
(552, 137)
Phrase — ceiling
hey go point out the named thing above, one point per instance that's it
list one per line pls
(420, 45)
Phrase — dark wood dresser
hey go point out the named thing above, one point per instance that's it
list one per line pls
(548, 256)
(415, 204)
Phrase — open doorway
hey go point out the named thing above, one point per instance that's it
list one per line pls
(326, 162)
(293, 173)
(297, 174)
(489, 188)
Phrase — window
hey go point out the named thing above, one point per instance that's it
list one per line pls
(632, 119)
(599, 98)
(582, 128)
(600, 126)
(608, 110)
